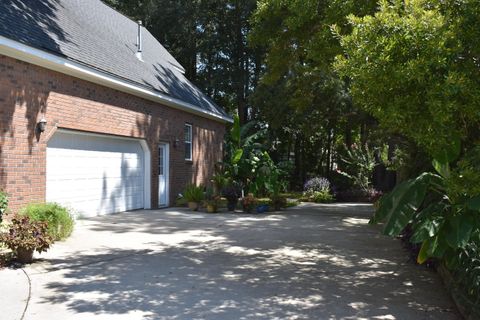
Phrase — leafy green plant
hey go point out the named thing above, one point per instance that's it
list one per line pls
(193, 193)
(268, 178)
(212, 200)
(27, 234)
(467, 273)
(240, 145)
(441, 223)
(3, 204)
(322, 196)
(180, 201)
(292, 203)
(219, 181)
(359, 163)
(60, 221)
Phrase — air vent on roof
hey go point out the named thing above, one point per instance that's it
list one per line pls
(139, 41)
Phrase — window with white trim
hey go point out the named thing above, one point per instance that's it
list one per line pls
(188, 142)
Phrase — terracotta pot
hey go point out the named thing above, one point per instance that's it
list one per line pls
(24, 255)
(193, 205)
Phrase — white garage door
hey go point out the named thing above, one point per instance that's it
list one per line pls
(95, 174)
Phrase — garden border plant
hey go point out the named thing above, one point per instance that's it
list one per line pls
(317, 190)
(25, 236)
(58, 218)
(3, 204)
(442, 210)
(194, 196)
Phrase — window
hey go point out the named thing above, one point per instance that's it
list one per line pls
(188, 141)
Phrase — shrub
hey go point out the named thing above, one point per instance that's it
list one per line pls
(60, 221)
(317, 184)
(322, 197)
(466, 271)
(292, 203)
(3, 204)
(359, 162)
(27, 234)
(180, 201)
(193, 193)
(231, 193)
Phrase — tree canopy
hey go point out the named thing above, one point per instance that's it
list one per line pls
(414, 66)
(209, 38)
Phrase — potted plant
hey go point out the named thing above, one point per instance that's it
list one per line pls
(249, 203)
(263, 205)
(211, 201)
(26, 236)
(231, 194)
(218, 181)
(194, 195)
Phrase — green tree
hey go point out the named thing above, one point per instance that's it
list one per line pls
(306, 106)
(414, 66)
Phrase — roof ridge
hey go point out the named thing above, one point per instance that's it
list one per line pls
(100, 37)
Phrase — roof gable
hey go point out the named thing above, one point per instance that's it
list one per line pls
(91, 33)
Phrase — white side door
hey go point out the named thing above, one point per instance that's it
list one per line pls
(163, 166)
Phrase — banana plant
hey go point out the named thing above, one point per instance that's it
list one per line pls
(241, 145)
(441, 225)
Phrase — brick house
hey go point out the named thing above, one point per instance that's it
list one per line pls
(95, 113)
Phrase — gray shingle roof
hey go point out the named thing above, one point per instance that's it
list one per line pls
(91, 33)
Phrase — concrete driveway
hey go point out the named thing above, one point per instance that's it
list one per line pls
(310, 262)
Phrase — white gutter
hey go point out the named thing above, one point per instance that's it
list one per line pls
(17, 50)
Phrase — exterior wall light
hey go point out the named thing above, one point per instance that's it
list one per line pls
(42, 125)
(176, 142)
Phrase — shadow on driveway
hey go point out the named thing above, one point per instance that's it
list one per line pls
(312, 262)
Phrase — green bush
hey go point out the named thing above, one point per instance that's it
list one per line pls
(466, 271)
(322, 197)
(60, 221)
(193, 193)
(3, 204)
(292, 203)
(180, 202)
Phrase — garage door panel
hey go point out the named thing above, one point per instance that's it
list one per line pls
(94, 174)
(95, 194)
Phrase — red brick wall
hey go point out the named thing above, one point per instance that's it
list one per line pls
(29, 92)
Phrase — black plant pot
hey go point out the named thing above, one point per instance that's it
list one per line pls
(231, 206)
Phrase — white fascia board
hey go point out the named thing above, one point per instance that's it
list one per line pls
(20, 51)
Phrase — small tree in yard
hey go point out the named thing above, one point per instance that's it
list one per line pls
(359, 163)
